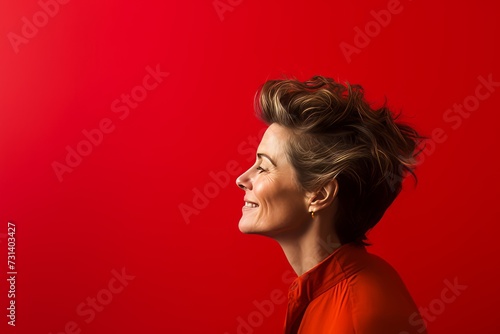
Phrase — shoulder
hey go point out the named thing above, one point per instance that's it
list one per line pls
(373, 281)
(380, 301)
(368, 297)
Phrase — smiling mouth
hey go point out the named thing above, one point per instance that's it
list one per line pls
(250, 205)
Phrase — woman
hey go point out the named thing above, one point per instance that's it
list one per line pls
(327, 168)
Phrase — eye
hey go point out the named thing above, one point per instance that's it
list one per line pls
(260, 169)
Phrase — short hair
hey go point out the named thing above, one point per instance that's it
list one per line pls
(335, 134)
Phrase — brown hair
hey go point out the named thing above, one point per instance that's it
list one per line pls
(337, 135)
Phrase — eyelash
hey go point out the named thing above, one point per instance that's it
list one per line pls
(260, 169)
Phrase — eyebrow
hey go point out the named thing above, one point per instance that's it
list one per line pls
(260, 155)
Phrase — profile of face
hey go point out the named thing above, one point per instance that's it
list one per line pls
(274, 203)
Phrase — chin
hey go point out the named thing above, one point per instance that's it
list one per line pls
(252, 227)
(246, 227)
(249, 227)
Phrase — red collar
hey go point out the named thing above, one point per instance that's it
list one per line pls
(342, 263)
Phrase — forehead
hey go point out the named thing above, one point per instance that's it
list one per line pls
(274, 138)
(274, 134)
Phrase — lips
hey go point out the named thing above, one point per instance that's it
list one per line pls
(250, 204)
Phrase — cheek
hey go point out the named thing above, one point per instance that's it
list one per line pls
(267, 191)
(278, 197)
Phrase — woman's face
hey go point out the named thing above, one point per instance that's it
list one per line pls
(274, 203)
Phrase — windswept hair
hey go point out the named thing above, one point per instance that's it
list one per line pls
(335, 134)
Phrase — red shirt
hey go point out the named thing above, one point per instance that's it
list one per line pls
(351, 291)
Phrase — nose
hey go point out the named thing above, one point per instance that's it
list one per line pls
(243, 181)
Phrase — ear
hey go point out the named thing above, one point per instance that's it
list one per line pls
(324, 197)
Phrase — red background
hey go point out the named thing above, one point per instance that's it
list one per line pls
(120, 207)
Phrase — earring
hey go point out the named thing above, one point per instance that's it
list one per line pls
(312, 214)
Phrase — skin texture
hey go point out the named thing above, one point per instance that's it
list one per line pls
(282, 205)
(283, 211)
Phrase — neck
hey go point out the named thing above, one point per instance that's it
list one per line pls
(310, 247)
